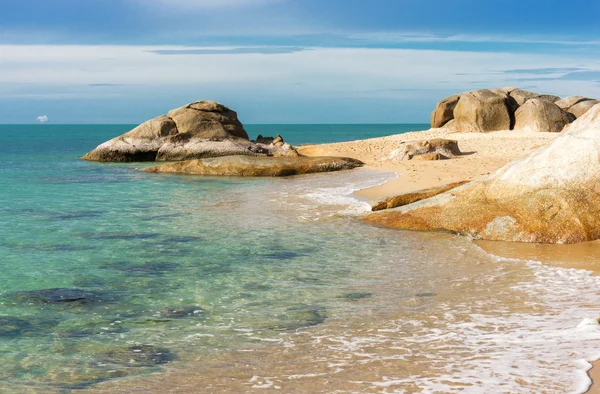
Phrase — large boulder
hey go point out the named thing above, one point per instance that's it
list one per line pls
(541, 115)
(198, 130)
(550, 196)
(577, 105)
(257, 166)
(444, 111)
(482, 111)
(208, 120)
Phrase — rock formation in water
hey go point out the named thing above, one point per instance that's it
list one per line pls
(488, 110)
(257, 166)
(550, 196)
(197, 130)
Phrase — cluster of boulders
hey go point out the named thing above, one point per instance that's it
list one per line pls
(550, 196)
(488, 110)
(204, 132)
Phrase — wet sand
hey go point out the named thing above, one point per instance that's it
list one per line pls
(585, 256)
(595, 376)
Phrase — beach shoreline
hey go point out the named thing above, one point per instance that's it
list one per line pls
(483, 153)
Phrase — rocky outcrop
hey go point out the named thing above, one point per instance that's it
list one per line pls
(541, 115)
(257, 166)
(550, 196)
(434, 149)
(197, 130)
(408, 198)
(488, 110)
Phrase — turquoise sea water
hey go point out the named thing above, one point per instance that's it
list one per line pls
(145, 243)
(178, 272)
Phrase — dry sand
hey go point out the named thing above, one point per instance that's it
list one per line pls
(483, 153)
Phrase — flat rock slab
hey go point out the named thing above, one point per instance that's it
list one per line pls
(408, 198)
(257, 166)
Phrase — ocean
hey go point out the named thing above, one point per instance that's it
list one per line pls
(207, 284)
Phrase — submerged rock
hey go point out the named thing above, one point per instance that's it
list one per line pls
(283, 255)
(421, 295)
(139, 356)
(13, 326)
(60, 296)
(156, 268)
(298, 317)
(550, 196)
(258, 166)
(197, 130)
(179, 312)
(357, 296)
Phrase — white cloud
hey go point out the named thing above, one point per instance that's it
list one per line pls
(42, 119)
(353, 73)
(415, 37)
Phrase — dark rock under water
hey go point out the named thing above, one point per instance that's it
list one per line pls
(138, 356)
(60, 296)
(13, 326)
(357, 296)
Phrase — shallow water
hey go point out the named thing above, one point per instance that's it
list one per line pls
(260, 284)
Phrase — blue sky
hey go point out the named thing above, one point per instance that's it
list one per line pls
(285, 61)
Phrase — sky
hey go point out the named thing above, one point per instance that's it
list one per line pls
(285, 61)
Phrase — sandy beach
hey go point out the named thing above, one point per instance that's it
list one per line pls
(482, 154)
